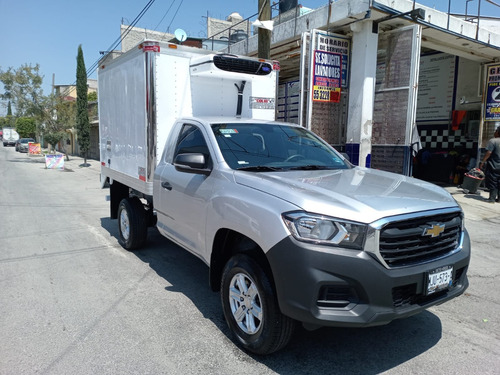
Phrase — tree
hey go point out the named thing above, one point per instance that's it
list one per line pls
(82, 115)
(26, 127)
(4, 122)
(51, 115)
(10, 119)
(56, 118)
(92, 96)
(22, 87)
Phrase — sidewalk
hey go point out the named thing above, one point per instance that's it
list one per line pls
(475, 206)
(76, 162)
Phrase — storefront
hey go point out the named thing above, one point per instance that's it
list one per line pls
(401, 88)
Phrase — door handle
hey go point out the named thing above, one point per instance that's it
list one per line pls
(166, 185)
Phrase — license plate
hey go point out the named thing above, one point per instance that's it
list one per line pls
(439, 279)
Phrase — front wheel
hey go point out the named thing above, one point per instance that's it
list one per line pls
(132, 223)
(251, 307)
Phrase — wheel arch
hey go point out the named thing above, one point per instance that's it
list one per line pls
(117, 192)
(226, 244)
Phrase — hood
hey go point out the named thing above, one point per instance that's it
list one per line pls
(358, 194)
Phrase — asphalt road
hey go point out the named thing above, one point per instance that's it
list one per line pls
(72, 301)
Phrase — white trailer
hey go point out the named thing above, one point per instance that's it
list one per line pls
(144, 91)
(10, 136)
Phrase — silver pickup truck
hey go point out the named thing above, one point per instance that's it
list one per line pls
(292, 232)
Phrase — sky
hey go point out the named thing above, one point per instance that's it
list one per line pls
(48, 32)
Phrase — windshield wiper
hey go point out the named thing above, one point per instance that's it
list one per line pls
(260, 168)
(310, 167)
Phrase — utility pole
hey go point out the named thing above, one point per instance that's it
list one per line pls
(264, 48)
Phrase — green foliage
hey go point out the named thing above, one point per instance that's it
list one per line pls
(26, 127)
(7, 121)
(53, 138)
(59, 117)
(4, 122)
(9, 109)
(92, 96)
(82, 115)
(66, 113)
(22, 87)
(38, 114)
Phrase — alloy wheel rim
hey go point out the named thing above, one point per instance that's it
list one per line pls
(124, 225)
(245, 303)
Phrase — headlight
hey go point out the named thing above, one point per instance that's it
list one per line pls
(325, 230)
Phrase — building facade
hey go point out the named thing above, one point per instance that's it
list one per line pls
(68, 93)
(396, 85)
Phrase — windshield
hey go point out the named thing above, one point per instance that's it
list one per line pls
(269, 147)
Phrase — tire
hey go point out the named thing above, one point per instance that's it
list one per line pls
(132, 223)
(251, 307)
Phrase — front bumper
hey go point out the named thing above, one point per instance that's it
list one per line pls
(328, 286)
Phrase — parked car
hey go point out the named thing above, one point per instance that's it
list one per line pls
(22, 144)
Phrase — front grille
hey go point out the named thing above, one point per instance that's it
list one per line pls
(239, 65)
(406, 295)
(403, 243)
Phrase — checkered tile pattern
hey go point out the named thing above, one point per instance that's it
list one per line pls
(445, 139)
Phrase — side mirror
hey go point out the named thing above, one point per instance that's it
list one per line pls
(192, 163)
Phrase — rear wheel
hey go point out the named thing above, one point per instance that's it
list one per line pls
(132, 223)
(251, 307)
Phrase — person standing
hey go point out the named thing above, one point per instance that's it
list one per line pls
(492, 160)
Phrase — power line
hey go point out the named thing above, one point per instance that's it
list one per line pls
(117, 41)
(168, 10)
(173, 18)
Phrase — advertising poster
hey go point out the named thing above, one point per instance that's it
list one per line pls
(492, 112)
(34, 148)
(336, 44)
(327, 76)
(54, 161)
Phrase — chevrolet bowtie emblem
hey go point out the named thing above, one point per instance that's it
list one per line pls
(434, 231)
